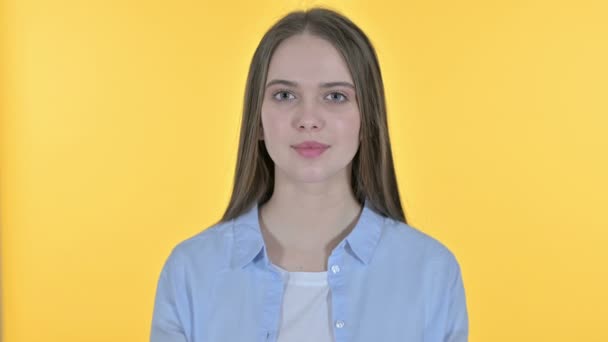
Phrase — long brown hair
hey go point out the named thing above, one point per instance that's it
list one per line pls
(373, 175)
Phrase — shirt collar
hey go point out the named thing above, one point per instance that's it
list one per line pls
(249, 243)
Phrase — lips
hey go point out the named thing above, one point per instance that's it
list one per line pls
(311, 145)
(310, 149)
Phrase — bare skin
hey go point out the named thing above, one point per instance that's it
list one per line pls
(304, 251)
(312, 207)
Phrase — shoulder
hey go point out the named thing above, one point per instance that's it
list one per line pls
(415, 244)
(207, 247)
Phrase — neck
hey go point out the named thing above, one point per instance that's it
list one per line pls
(309, 221)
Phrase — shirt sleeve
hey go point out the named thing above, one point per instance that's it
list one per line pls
(167, 325)
(447, 319)
(457, 321)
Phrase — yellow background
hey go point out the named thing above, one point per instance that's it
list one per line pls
(119, 132)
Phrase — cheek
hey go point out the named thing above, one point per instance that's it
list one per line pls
(349, 128)
(273, 123)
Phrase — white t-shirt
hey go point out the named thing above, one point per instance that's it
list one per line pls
(306, 309)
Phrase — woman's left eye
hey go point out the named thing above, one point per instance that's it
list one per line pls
(338, 96)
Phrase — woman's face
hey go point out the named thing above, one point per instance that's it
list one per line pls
(310, 96)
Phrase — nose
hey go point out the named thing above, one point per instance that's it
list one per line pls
(309, 117)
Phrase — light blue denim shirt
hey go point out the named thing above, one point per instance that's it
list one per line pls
(389, 282)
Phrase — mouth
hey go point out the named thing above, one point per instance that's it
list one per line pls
(310, 144)
(310, 152)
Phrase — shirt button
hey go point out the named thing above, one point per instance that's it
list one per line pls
(335, 268)
(339, 324)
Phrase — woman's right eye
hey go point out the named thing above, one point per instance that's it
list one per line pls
(281, 95)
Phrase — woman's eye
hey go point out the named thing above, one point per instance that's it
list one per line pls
(285, 95)
(337, 97)
(282, 95)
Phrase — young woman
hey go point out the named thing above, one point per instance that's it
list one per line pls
(314, 245)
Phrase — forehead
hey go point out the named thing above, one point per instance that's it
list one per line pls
(305, 58)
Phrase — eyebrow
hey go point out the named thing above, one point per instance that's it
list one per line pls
(322, 85)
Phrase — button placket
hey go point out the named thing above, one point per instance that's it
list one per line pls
(273, 301)
(336, 280)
